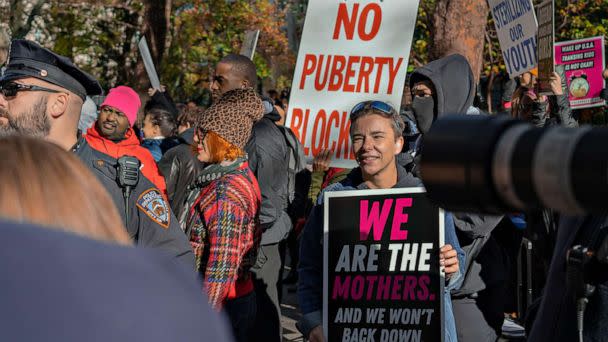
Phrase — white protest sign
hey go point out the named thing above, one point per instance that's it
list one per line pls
(351, 51)
(516, 26)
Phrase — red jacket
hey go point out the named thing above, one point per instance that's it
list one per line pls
(128, 147)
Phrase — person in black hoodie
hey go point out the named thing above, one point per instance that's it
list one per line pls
(447, 86)
(179, 165)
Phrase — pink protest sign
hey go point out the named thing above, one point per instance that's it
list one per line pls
(583, 62)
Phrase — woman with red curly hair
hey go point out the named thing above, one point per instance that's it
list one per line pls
(222, 219)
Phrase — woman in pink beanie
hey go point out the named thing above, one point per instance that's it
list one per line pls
(112, 133)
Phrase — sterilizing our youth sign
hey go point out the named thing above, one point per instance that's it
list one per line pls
(382, 279)
(516, 26)
(351, 51)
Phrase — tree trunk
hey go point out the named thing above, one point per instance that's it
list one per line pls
(157, 20)
(459, 27)
(156, 26)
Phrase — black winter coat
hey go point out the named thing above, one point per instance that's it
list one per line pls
(180, 167)
(269, 160)
(556, 319)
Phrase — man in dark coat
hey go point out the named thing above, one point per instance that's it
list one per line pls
(269, 160)
(41, 95)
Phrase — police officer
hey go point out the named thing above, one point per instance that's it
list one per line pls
(41, 94)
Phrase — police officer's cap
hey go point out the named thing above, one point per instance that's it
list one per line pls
(28, 59)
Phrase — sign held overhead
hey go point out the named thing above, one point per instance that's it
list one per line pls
(516, 26)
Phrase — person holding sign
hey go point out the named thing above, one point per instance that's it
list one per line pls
(376, 132)
(541, 110)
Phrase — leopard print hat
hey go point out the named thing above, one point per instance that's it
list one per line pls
(233, 115)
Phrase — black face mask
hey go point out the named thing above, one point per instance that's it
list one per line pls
(424, 112)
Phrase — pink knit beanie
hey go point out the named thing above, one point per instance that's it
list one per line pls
(125, 100)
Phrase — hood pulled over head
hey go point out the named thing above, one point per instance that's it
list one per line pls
(453, 82)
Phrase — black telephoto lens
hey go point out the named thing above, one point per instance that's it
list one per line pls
(498, 165)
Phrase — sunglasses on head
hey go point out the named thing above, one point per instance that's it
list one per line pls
(10, 89)
(380, 106)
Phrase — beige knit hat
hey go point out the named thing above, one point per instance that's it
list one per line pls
(233, 115)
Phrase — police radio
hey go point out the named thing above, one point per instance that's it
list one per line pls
(127, 177)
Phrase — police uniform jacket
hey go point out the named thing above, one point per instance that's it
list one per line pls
(151, 221)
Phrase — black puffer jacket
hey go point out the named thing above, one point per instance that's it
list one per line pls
(180, 167)
(269, 160)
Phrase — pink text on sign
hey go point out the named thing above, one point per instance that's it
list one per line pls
(375, 218)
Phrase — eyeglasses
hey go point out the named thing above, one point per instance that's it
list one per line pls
(201, 133)
(10, 89)
(380, 106)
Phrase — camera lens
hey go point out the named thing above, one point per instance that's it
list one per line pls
(497, 164)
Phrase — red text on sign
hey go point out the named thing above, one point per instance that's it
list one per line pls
(350, 21)
(330, 130)
(337, 72)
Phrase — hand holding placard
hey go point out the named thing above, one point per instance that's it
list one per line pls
(556, 84)
(448, 259)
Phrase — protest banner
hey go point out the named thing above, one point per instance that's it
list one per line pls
(148, 63)
(351, 51)
(546, 34)
(516, 27)
(583, 62)
(382, 279)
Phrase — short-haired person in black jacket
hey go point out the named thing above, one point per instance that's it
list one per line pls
(268, 159)
(179, 165)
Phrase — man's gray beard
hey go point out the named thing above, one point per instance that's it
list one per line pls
(32, 123)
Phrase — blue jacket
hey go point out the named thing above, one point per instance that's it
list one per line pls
(158, 147)
(310, 268)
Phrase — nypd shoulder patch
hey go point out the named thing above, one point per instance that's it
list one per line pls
(152, 203)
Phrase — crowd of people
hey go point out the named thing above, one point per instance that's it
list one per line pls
(224, 193)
